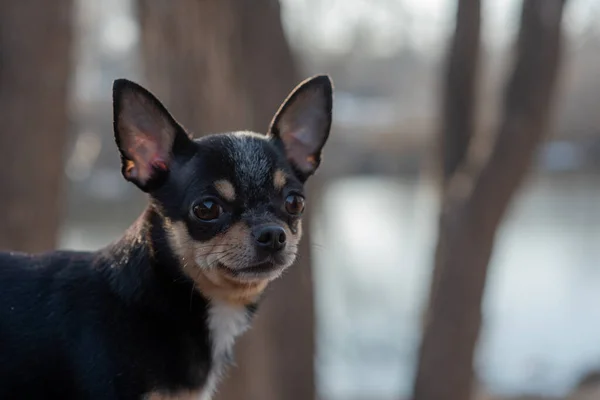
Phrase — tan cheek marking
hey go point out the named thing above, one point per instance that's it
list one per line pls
(239, 234)
(225, 189)
(293, 239)
(184, 395)
(279, 179)
(178, 237)
(215, 283)
(298, 234)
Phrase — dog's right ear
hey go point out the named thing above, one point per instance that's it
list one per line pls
(148, 136)
(303, 122)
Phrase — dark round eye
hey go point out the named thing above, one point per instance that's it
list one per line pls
(294, 204)
(207, 210)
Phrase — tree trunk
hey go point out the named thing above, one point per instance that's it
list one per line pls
(223, 65)
(35, 65)
(460, 87)
(192, 60)
(459, 97)
(475, 202)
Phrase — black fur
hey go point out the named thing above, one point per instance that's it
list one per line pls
(113, 324)
(125, 320)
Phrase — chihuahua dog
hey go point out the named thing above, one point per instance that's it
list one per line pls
(154, 315)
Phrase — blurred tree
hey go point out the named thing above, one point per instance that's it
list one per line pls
(477, 195)
(225, 65)
(460, 84)
(35, 65)
(458, 96)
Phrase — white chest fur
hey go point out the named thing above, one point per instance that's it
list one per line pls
(225, 323)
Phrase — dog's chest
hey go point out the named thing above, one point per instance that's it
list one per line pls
(225, 323)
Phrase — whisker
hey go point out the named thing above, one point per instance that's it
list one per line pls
(219, 259)
(217, 245)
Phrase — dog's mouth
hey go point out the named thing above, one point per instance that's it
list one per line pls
(262, 268)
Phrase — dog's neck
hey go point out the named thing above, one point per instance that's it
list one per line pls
(141, 269)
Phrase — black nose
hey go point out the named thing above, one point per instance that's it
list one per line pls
(270, 237)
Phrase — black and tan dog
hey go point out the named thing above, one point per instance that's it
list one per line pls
(154, 315)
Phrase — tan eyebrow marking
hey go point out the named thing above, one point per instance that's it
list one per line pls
(225, 189)
(279, 179)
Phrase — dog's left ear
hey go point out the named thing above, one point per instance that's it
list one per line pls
(148, 136)
(303, 122)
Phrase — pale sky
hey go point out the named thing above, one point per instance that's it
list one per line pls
(330, 24)
(420, 24)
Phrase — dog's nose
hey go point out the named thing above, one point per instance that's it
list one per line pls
(270, 237)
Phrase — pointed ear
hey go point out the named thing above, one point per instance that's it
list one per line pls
(302, 123)
(147, 135)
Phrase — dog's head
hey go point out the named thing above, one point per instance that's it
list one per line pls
(231, 203)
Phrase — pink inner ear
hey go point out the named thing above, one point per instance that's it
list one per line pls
(145, 157)
(300, 153)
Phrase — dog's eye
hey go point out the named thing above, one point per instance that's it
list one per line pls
(207, 210)
(294, 204)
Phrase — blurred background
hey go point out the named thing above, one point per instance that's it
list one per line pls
(454, 224)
